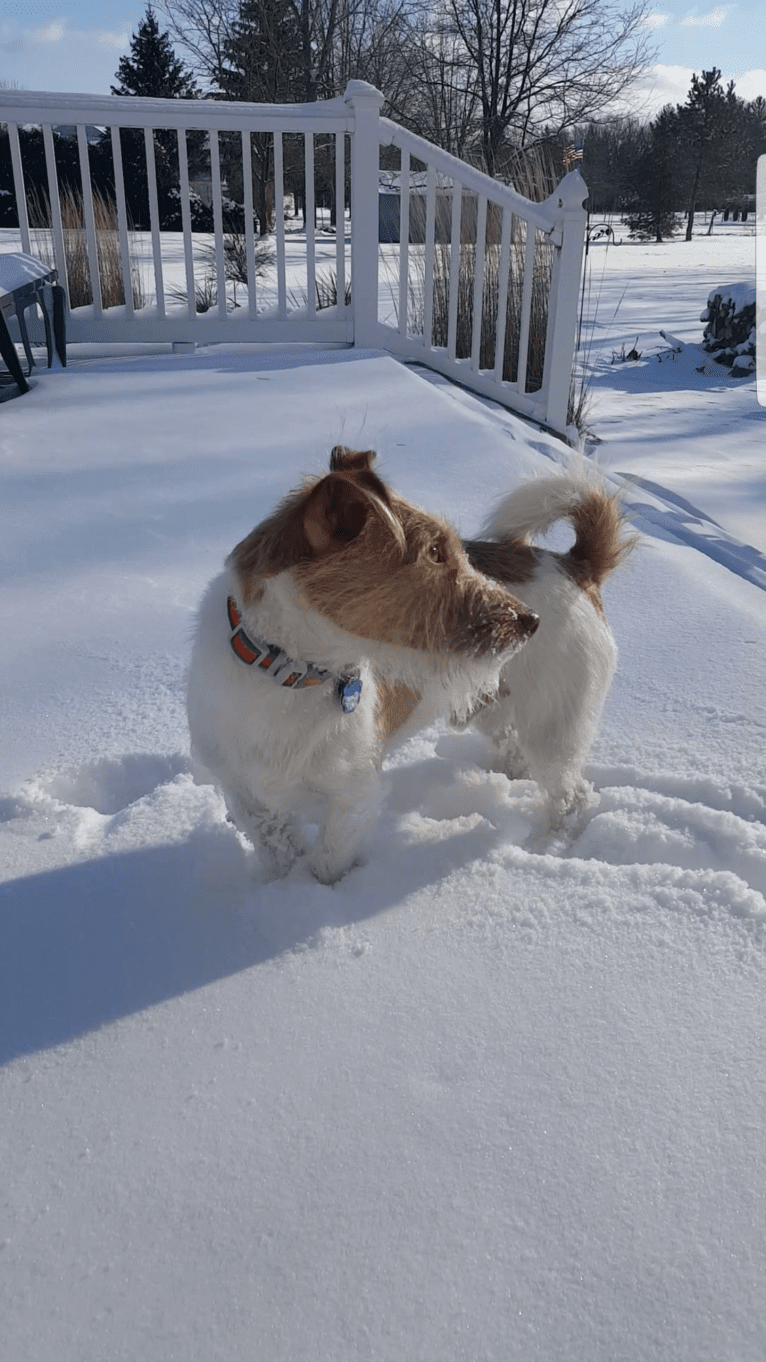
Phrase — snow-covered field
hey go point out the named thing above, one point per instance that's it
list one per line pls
(495, 1095)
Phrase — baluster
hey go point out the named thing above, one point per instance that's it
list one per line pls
(59, 248)
(454, 266)
(310, 212)
(18, 187)
(89, 220)
(478, 283)
(122, 221)
(183, 167)
(404, 243)
(154, 218)
(247, 181)
(502, 293)
(220, 266)
(526, 306)
(279, 214)
(428, 308)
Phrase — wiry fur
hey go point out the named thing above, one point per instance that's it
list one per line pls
(352, 578)
(551, 695)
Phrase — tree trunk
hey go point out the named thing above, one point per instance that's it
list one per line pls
(693, 202)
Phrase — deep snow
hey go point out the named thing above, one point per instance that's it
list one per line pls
(496, 1095)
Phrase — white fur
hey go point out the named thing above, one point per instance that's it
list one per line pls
(278, 753)
(557, 685)
(531, 509)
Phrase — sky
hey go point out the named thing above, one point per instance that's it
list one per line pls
(76, 45)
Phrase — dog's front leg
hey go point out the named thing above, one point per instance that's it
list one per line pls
(275, 835)
(345, 829)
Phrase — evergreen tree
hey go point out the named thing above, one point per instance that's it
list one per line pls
(610, 150)
(261, 64)
(153, 71)
(654, 179)
(711, 127)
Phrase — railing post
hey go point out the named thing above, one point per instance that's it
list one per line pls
(569, 201)
(365, 103)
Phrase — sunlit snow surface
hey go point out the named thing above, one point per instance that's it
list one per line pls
(498, 1094)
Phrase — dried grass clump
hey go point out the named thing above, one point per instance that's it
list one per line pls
(235, 270)
(534, 174)
(79, 284)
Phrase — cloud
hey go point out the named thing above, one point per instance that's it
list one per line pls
(751, 84)
(660, 85)
(712, 20)
(52, 33)
(656, 20)
(118, 39)
(56, 33)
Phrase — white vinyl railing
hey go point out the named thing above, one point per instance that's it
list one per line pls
(481, 285)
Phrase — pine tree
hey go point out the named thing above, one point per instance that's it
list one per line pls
(153, 71)
(261, 65)
(654, 197)
(711, 126)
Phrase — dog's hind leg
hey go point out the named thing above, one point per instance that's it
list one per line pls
(275, 835)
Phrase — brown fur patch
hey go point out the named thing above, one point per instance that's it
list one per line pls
(600, 546)
(356, 460)
(396, 702)
(380, 567)
(322, 516)
(509, 561)
(600, 542)
(426, 598)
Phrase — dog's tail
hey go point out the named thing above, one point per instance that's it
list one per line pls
(602, 535)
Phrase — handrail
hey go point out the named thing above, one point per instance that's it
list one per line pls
(498, 245)
(541, 214)
(126, 111)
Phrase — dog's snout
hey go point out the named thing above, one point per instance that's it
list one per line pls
(528, 623)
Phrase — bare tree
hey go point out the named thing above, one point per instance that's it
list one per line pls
(437, 94)
(546, 63)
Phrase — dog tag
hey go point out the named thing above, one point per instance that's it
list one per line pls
(350, 692)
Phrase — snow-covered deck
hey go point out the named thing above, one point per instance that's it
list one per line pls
(496, 1094)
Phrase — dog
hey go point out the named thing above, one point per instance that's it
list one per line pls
(347, 619)
(545, 713)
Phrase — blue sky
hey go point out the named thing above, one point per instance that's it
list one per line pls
(76, 45)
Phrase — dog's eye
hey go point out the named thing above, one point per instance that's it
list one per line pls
(436, 552)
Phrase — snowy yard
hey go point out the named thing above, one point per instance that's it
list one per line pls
(496, 1095)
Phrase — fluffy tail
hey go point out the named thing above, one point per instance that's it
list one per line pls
(602, 538)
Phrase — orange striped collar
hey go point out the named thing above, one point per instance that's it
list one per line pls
(273, 660)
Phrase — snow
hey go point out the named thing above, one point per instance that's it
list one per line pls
(739, 295)
(497, 1094)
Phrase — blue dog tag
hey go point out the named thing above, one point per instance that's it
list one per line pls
(350, 694)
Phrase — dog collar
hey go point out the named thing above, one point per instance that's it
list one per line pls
(269, 658)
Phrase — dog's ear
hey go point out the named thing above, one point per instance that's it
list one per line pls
(337, 511)
(344, 460)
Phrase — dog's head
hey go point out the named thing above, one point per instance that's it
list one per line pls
(380, 567)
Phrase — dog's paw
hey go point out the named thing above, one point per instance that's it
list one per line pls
(329, 867)
(573, 801)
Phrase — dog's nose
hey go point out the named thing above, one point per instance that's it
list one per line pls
(528, 624)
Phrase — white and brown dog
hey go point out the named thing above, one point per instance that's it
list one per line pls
(545, 714)
(347, 618)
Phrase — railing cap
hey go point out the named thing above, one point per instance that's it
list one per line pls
(26, 106)
(360, 91)
(570, 193)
